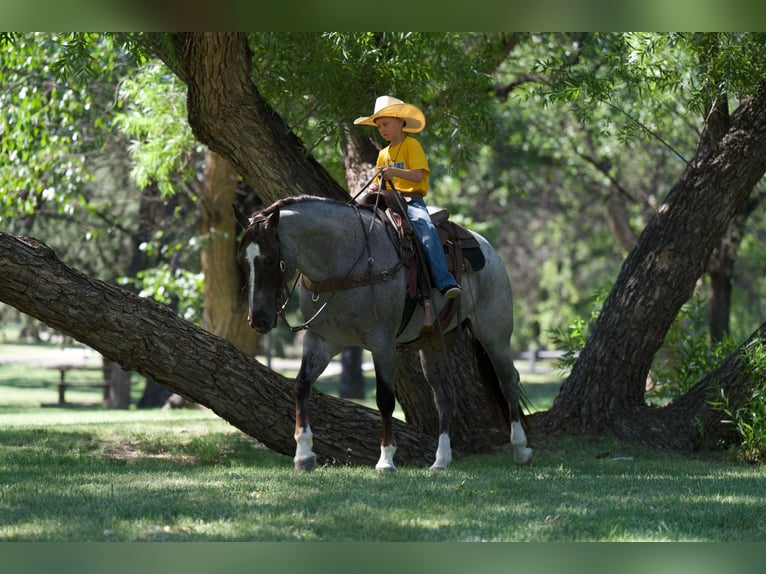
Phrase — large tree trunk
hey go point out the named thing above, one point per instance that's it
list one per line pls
(147, 337)
(607, 384)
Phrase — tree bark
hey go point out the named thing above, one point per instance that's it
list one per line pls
(607, 384)
(147, 337)
(351, 376)
(691, 423)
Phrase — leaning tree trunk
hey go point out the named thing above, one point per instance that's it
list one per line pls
(147, 337)
(607, 384)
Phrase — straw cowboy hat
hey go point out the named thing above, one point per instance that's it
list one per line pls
(390, 107)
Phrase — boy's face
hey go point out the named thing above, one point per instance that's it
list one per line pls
(390, 128)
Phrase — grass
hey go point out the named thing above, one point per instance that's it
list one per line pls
(187, 475)
(98, 475)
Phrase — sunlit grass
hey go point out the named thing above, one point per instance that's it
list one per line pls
(187, 475)
(149, 475)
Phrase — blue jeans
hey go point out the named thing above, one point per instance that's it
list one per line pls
(432, 246)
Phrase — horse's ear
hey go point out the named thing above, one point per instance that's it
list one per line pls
(241, 217)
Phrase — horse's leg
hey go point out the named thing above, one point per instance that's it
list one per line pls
(436, 368)
(500, 355)
(512, 390)
(316, 357)
(385, 367)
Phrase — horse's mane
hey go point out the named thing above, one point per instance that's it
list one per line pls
(266, 211)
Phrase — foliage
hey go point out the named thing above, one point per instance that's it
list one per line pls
(749, 419)
(687, 354)
(64, 176)
(48, 124)
(572, 339)
(62, 173)
(164, 156)
(178, 288)
(320, 82)
(153, 114)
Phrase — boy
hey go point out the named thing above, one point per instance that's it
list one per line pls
(403, 162)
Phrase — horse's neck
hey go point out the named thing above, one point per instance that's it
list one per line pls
(319, 239)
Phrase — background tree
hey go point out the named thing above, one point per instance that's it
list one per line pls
(609, 378)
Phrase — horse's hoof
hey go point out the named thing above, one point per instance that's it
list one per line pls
(523, 458)
(438, 468)
(385, 468)
(306, 464)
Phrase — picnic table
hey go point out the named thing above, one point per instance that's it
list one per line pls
(62, 384)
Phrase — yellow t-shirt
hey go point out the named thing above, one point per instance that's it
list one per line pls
(407, 155)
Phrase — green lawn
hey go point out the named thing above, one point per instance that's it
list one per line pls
(90, 474)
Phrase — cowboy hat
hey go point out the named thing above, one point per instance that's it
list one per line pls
(390, 107)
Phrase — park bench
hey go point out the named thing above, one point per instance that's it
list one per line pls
(62, 384)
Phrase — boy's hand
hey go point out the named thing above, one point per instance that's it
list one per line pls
(386, 172)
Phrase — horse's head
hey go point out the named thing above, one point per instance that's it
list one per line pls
(259, 254)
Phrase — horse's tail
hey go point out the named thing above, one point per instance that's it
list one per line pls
(491, 382)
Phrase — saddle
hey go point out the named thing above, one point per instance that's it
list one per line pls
(461, 250)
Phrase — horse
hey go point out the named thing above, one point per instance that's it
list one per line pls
(349, 249)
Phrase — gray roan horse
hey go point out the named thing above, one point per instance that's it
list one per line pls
(327, 240)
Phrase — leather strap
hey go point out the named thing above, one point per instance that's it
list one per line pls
(351, 282)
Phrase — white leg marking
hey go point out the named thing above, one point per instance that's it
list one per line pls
(443, 453)
(386, 461)
(304, 457)
(521, 454)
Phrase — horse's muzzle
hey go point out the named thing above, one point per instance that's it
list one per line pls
(261, 323)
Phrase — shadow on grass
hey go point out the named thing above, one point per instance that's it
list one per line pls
(74, 485)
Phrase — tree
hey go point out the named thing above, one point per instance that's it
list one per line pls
(737, 168)
(606, 388)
